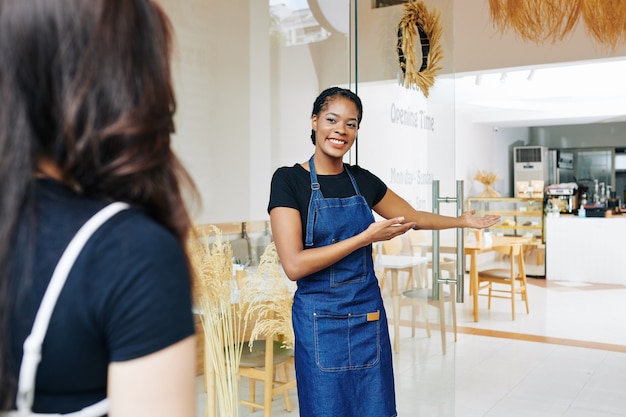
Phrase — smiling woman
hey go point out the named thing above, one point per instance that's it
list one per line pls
(323, 228)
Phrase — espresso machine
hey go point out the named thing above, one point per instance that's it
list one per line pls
(564, 198)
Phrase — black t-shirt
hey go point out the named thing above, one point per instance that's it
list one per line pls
(128, 295)
(291, 187)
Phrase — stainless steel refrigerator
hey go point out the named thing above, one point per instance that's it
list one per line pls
(560, 166)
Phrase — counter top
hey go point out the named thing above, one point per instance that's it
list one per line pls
(589, 249)
(570, 216)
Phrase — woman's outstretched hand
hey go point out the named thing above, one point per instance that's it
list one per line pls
(479, 222)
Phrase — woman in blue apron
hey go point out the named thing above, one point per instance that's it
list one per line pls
(323, 226)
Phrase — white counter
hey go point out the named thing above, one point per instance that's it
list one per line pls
(591, 249)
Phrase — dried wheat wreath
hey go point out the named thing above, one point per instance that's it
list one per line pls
(419, 23)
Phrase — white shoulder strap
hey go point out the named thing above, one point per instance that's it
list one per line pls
(33, 343)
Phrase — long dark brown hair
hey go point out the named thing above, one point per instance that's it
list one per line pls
(86, 84)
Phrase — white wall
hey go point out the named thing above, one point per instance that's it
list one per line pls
(292, 103)
(193, 71)
(487, 148)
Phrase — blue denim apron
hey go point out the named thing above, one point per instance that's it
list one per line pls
(342, 350)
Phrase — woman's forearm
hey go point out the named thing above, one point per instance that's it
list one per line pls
(298, 264)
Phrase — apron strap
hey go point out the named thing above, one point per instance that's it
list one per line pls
(316, 193)
(32, 345)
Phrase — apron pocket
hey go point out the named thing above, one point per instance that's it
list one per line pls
(347, 342)
(351, 269)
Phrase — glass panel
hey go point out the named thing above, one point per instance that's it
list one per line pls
(310, 50)
(408, 140)
(594, 170)
(246, 73)
(594, 165)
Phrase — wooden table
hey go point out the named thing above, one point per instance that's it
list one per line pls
(472, 248)
(395, 263)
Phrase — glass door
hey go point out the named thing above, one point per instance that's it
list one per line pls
(407, 138)
(246, 73)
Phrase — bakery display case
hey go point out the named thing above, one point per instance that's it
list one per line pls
(519, 216)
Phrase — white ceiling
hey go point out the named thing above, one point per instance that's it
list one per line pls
(580, 93)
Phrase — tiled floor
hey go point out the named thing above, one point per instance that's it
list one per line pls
(567, 358)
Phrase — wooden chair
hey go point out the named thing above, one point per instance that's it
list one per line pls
(273, 368)
(513, 277)
(269, 360)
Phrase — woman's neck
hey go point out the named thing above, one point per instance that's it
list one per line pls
(328, 166)
(46, 168)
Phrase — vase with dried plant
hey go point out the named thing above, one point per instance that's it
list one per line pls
(270, 283)
(269, 360)
(487, 178)
(223, 319)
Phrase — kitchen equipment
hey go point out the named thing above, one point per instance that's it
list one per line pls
(613, 203)
(560, 166)
(563, 197)
(595, 211)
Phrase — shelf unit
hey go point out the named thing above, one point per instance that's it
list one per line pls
(519, 216)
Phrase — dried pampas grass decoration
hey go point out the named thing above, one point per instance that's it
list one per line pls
(536, 20)
(228, 304)
(487, 178)
(419, 23)
(272, 313)
(223, 321)
(543, 21)
(605, 21)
